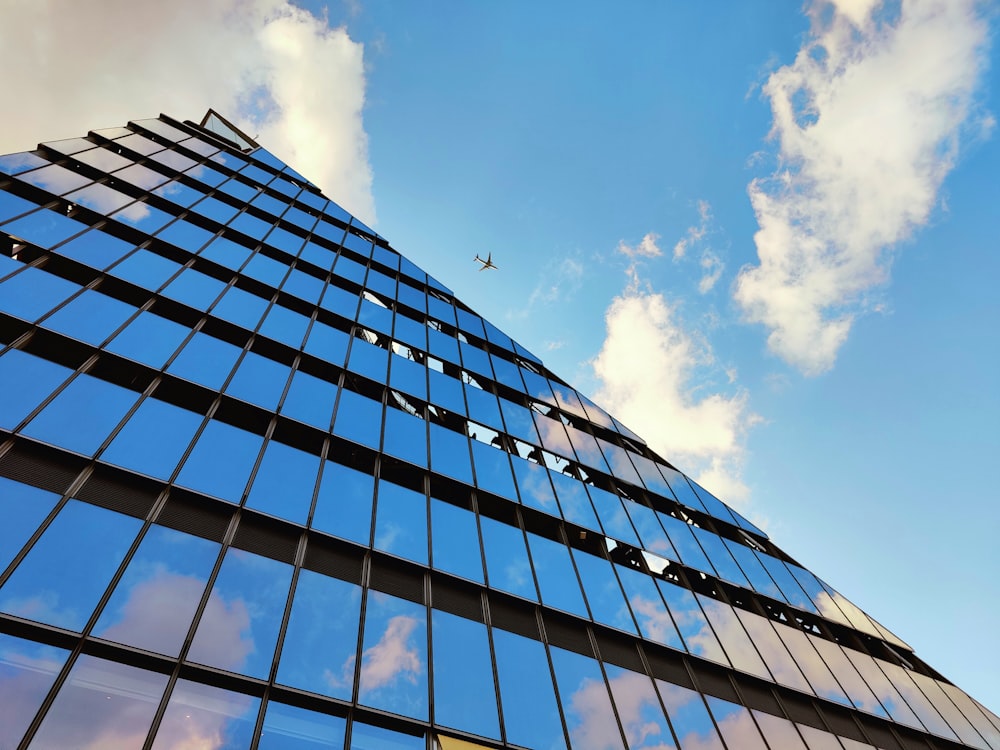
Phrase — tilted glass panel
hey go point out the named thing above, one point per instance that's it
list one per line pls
(401, 522)
(329, 344)
(922, 707)
(65, 573)
(604, 594)
(405, 437)
(646, 524)
(340, 302)
(483, 407)
(883, 689)
(45, 228)
(90, 317)
(733, 637)
(265, 269)
(101, 704)
(180, 194)
(16, 163)
(613, 517)
(556, 576)
(83, 414)
(239, 627)
(227, 253)
(790, 588)
(23, 508)
(95, 249)
(368, 360)
(754, 570)
(493, 472)
(27, 671)
(100, 198)
(974, 713)
(455, 541)
(639, 710)
(25, 380)
(221, 461)
(450, 453)
(290, 728)
(150, 339)
(690, 621)
(722, 560)
(205, 360)
(154, 438)
(33, 292)
(586, 704)
(736, 725)
(310, 400)
(142, 176)
(442, 345)
(772, 650)
(817, 739)
(464, 694)
(303, 286)
(446, 391)
(691, 720)
(779, 732)
(358, 419)
(535, 486)
(195, 289)
(860, 694)
(651, 614)
(573, 501)
(56, 179)
(531, 713)
(259, 380)
(154, 602)
(344, 503)
(320, 646)
(817, 671)
(519, 422)
(284, 483)
(143, 217)
(408, 376)
(507, 559)
(206, 717)
(146, 269)
(394, 656)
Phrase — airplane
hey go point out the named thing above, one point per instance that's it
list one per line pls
(488, 263)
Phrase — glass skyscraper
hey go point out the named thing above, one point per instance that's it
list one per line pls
(265, 483)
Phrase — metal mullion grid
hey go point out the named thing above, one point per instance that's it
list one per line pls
(84, 634)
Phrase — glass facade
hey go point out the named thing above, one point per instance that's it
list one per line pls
(265, 483)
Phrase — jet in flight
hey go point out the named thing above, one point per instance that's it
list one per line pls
(488, 263)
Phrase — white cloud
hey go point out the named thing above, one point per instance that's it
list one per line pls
(868, 120)
(649, 373)
(393, 657)
(694, 233)
(274, 68)
(647, 248)
(712, 266)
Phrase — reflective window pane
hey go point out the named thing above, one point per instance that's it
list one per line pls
(22, 508)
(401, 522)
(507, 559)
(639, 710)
(207, 718)
(394, 656)
(320, 647)
(205, 360)
(465, 697)
(25, 380)
(221, 461)
(291, 728)
(586, 703)
(239, 626)
(27, 671)
(455, 540)
(62, 577)
(691, 720)
(344, 503)
(736, 725)
(155, 600)
(556, 577)
(284, 483)
(154, 438)
(101, 704)
(531, 713)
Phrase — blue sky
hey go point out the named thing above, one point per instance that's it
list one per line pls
(629, 169)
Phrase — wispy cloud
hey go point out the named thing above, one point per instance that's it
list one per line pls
(868, 121)
(281, 72)
(694, 243)
(652, 373)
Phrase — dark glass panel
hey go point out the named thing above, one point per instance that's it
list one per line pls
(320, 647)
(155, 600)
(82, 416)
(401, 522)
(464, 694)
(27, 671)
(62, 577)
(221, 461)
(394, 656)
(207, 718)
(154, 438)
(102, 704)
(344, 503)
(239, 627)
